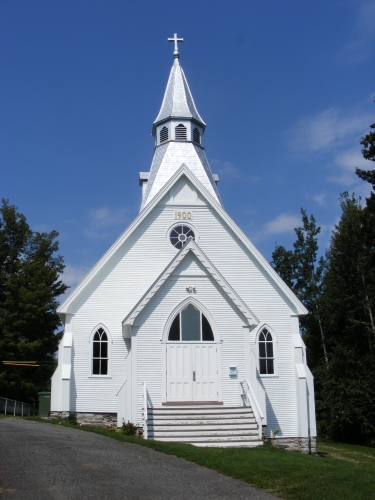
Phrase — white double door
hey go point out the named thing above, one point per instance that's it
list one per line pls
(192, 372)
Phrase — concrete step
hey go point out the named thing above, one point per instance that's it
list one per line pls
(186, 420)
(159, 433)
(195, 414)
(207, 438)
(231, 444)
(201, 425)
(204, 425)
(200, 410)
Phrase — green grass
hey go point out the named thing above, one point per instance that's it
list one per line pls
(340, 471)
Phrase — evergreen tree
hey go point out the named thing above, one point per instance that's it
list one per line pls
(348, 282)
(302, 271)
(345, 396)
(368, 215)
(29, 287)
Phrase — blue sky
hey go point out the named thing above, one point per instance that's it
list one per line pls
(286, 89)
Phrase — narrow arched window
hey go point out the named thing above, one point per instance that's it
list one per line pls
(266, 355)
(180, 133)
(196, 135)
(100, 353)
(163, 134)
(190, 325)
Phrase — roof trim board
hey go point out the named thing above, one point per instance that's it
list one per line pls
(299, 308)
(193, 247)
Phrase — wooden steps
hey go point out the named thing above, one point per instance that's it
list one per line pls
(204, 425)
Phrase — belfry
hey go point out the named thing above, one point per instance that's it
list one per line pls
(178, 130)
(183, 327)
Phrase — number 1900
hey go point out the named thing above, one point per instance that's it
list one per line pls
(182, 215)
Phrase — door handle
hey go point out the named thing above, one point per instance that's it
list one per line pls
(193, 376)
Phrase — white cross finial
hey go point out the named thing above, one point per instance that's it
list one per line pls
(175, 40)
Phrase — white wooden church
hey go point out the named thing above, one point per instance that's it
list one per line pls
(183, 327)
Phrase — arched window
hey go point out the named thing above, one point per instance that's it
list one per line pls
(100, 353)
(190, 325)
(180, 133)
(196, 136)
(163, 134)
(266, 356)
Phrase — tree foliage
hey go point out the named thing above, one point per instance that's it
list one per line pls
(339, 292)
(29, 288)
(303, 272)
(345, 399)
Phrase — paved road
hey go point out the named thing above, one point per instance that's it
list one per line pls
(43, 461)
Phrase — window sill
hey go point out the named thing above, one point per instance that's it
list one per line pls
(99, 376)
(265, 375)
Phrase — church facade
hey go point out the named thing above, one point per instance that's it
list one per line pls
(183, 327)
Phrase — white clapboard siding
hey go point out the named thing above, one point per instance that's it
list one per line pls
(123, 280)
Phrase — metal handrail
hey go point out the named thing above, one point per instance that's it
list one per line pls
(145, 433)
(5, 407)
(254, 403)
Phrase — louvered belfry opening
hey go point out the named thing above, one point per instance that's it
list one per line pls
(163, 134)
(180, 133)
(196, 136)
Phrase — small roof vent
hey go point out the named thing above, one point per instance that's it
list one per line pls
(163, 134)
(196, 135)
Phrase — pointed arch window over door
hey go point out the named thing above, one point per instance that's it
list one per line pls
(190, 325)
(100, 353)
(180, 133)
(266, 354)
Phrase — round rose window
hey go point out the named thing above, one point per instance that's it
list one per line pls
(180, 235)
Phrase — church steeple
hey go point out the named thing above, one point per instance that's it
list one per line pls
(178, 131)
(178, 101)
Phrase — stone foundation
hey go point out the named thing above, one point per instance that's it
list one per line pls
(59, 414)
(102, 420)
(304, 445)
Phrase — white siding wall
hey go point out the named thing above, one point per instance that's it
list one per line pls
(135, 266)
(152, 320)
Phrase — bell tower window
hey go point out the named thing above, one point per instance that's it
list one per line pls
(163, 134)
(196, 135)
(180, 133)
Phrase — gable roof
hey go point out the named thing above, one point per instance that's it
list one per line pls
(257, 256)
(191, 246)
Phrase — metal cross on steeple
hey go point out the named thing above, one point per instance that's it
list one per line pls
(175, 40)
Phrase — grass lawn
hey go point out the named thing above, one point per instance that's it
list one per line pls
(340, 471)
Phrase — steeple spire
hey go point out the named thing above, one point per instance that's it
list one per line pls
(175, 40)
(178, 101)
(178, 131)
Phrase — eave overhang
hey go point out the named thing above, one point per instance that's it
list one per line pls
(263, 264)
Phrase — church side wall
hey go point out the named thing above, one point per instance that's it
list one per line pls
(124, 279)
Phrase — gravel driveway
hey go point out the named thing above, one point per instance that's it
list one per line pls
(43, 461)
